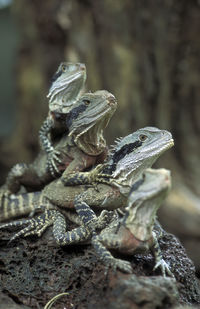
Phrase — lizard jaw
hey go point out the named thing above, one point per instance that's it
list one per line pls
(144, 203)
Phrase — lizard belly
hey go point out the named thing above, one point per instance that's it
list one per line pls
(66, 160)
(129, 244)
(61, 195)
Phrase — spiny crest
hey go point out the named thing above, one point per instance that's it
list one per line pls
(112, 147)
(119, 143)
(147, 143)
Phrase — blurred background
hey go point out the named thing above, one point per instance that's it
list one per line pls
(147, 53)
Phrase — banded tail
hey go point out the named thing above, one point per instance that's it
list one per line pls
(18, 205)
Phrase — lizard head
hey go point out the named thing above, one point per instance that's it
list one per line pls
(66, 86)
(90, 115)
(145, 198)
(136, 152)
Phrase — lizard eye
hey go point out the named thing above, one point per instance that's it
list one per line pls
(64, 68)
(142, 137)
(86, 102)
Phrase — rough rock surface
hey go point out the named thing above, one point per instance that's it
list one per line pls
(33, 270)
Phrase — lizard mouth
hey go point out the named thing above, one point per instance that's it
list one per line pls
(167, 145)
(163, 145)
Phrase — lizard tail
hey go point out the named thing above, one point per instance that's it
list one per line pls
(18, 205)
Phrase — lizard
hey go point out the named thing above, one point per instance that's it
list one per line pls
(66, 86)
(129, 234)
(64, 92)
(133, 232)
(83, 147)
(126, 163)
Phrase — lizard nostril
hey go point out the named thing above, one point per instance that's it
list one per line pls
(111, 100)
(82, 67)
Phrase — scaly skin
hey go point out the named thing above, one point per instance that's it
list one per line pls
(133, 233)
(67, 84)
(132, 155)
(83, 147)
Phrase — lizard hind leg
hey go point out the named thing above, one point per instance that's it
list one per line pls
(14, 224)
(63, 238)
(82, 233)
(88, 216)
(35, 226)
(108, 259)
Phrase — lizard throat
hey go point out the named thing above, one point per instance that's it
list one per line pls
(92, 141)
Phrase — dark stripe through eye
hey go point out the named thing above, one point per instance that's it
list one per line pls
(55, 76)
(120, 154)
(73, 114)
(126, 149)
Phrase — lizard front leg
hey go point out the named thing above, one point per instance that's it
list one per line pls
(89, 178)
(74, 175)
(160, 262)
(77, 235)
(53, 154)
(63, 238)
(84, 233)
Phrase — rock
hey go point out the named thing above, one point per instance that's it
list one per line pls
(7, 303)
(141, 292)
(35, 270)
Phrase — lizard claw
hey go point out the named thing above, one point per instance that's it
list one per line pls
(100, 222)
(5, 193)
(165, 269)
(104, 219)
(55, 156)
(122, 265)
(18, 169)
(34, 226)
(52, 161)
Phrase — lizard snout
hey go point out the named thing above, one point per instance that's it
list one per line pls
(111, 101)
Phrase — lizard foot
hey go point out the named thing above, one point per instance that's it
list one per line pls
(16, 173)
(35, 226)
(122, 265)
(105, 218)
(100, 222)
(18, 169)
(5, 193)
(103, 178)
(52, 161)
(165, 269)
(107, 258)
